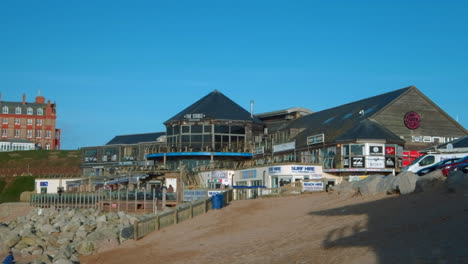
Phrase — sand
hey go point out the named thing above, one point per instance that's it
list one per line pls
(314, 228)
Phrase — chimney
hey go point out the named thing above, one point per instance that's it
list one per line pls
(24, 98)
(251, 108)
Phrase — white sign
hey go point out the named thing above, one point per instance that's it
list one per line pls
(213, 193)
(315, 139)
(259, 150)
(284, 147)
(431, 139)
(312, 186)
(375, 162)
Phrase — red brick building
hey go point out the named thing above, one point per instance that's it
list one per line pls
(34, 122)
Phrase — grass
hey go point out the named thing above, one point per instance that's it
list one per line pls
(12, 192)
(2, 185)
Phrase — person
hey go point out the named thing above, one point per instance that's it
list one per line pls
(281, 183)
(10, 259)
(170, 189)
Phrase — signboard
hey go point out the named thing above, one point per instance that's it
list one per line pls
(375, 150)
(315, 139)
(219, 175)
(390, 162)
(274, 170)
(249, 174)
(357, 162)
(390, 151)
(284, 147)
(302, 169)
(312, 186)
(375, 162)
(346, 163)
(259, 150)
(357, 178)
(213, 193)
(44, 184)
(194, 195)
(194, 117)
(412, 120)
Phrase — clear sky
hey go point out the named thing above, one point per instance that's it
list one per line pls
(125, 67)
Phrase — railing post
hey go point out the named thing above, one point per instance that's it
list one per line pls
(136, 193)
(176, 214)
(118, 197)
(191, 210)
(135, 230)
(157, 224)
(144, 200)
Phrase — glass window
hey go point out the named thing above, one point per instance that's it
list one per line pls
(39, 122)
(17, 133)
(29, 121)
(17, 121)
(207, 129)
(29, 133)
(47, 146)
(428, 160)
(4, 133)
(345, 150)
(357, 150)
(18, 110)
(48, 133)
(30, 111)
(196, 138)
(222, 129)
(4, 120)
(197, 129)
(169, 131)
(38, 134)
(185, 129)
(176, 130)
(185, 139)
(237, 130)
(207, 140)
(40, 111)
(5, 110)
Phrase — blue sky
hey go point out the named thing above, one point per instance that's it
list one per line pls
(125, 67)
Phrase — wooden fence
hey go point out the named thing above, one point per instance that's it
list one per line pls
(179, 214)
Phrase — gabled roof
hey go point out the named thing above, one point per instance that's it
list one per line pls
(368, 129)
(457, 144)
(135, 138)
(216, 106)
(337, 121)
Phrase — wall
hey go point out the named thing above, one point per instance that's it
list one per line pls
(52, 184)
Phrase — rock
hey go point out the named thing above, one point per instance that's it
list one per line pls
(47, 229)
(37, 251)
(29, 240)
(457, 181)
(406, 182)
(65, 238)
(86, 247)
(62, 261)
(11, 239)
(25, 252)
(368, 186)
(101, 219)
(347, 189)
(51, 252)
(430, 182)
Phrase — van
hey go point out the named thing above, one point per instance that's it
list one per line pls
(431, 159)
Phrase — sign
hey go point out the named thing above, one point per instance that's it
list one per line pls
(194, 195)
(389, 150)
(375, 162)
(412, 120)
(259, 150)
(302, 169)
(274, 170)
(357, 162)
(431, 139)
(43, 184)
(315, 139)
(219, 175)
(213, 193)
(390, 162)
(312, 186)
(284, 147)
(357, 178)
(346, 163)
(194, 117)
(375, 150)
(249, 174)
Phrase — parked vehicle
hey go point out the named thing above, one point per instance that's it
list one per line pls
(434, 167)
(446, 168)
(460, 167)
(431, 159)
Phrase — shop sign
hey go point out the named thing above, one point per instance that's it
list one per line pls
(375, 150)
(44, 184)
(412, 120)
(357, 162)
(259, 150)
(315, 139)
(249, 174)
(219, 175)
(213, 193)
(274, 170)
(375, 162)
(302, 169)
(389, 150)
(431, 139)
(194, 195)
(390, 162)
(194, 117)
(312, 186)
(284, 147)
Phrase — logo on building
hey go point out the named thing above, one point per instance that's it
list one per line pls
(412, 120)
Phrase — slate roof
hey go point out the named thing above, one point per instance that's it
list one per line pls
(339, 121)
(216, 106)
(12, 106)
(368, 129)
(135, 138)
(457, 143)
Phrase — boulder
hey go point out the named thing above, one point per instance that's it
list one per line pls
(457, 181)
(406, 182)
(11, 239)
(347, 189)
(430, 182)
(376, 184)
(47, 229)
(62, 261)
(86, 247)
(126, 233)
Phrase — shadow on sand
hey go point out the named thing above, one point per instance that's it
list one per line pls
(417, 228)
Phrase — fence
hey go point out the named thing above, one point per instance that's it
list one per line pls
(179, 214)
(136, 201)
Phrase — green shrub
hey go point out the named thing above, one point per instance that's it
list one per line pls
(2, 185)
(13, 191)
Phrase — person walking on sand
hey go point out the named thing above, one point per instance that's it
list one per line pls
(10, 259)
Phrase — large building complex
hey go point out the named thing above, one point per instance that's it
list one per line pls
(26, 124)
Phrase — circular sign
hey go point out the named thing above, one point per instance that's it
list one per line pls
(412, 120)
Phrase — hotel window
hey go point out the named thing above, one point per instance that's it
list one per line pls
(17, 121)
(47, 146)
(30, 111)
(5, 110)
(29, 134)
(40, 111)
(29, 121)
(47, 134)
(38, 133)
(4, 120)
(18, 110)
(39, 122)
(4, 133)
(17, 133)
